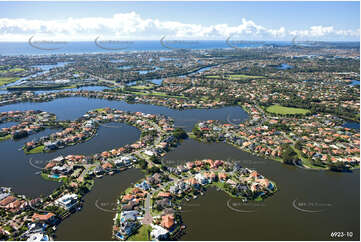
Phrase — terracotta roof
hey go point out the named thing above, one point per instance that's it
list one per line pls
(42, 217)
(167, 221)
(7, 200)
(164, 194)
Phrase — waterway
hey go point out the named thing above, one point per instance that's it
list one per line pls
(14, 161)
(330, 200)
(74, 107)
(19, 170)
(352, 125)
(355, 82)
(284, 66)
(333, 198)
(95, 220)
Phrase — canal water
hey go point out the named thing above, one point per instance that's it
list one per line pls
(330, 201)
(73, 107)
(352, 125)
(95, 220)
(309, 205)
(21, 171)
(15, 161)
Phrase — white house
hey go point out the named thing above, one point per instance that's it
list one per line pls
(149, 152)
(159, 233)
(38, 237)
(67, 201)
(201, 179)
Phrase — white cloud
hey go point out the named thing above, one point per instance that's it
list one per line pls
(132, 26)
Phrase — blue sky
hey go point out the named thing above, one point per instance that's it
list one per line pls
(181, 20)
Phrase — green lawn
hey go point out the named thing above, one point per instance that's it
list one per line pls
(243, 77)
(36, 150)
(16, 70)
(278, 109)
(100, 109)
(237, 77)
(12, 70)
(213, 76)
(162, 94)
(142, 87)
(7, 80)
(306, 162)
(142, 234)
(5, 137)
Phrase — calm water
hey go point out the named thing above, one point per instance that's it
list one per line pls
(95, 220)
(116, 135)
(208, 217)
(73, 107)
(355, 82)
(26, 179)
(284, 67)
(16, 171)
(352, 125)
(17, 48)
(85, 88)
(336, 194)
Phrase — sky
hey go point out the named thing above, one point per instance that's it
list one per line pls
(72, 21)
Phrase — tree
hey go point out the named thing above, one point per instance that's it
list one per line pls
(153, 170)
(288, 154)
(143, 164)
(197, 132)
(179, 133)
(298, 145)
(337, 166)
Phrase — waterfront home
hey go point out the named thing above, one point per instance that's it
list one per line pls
(159, 233)
(63, 170)
(67, 201)
(167, 221)
(201, 178)
(143, 185)
(125, 161)
(98, 170)
(7, 200)
(51, 145)
(38, 237)
(128, 224)
(107, 166)
(49, 218)
(4, 195)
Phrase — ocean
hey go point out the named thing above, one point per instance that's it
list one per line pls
(89, 47)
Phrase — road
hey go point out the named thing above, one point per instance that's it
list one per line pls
(148, 219)
(100, 79)
(85, 171)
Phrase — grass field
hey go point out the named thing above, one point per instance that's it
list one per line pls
(143, 87)
(17, 70)
(238, 77)
(142, 234)
(243, 77)
(12, 70)
(36, 150)
(5, 137)
(7, 80)
(162, 94)
(278, 109)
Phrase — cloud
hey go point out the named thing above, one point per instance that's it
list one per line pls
(132, 26)
(316, 32)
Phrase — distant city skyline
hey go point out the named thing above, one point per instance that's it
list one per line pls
(283, 21)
